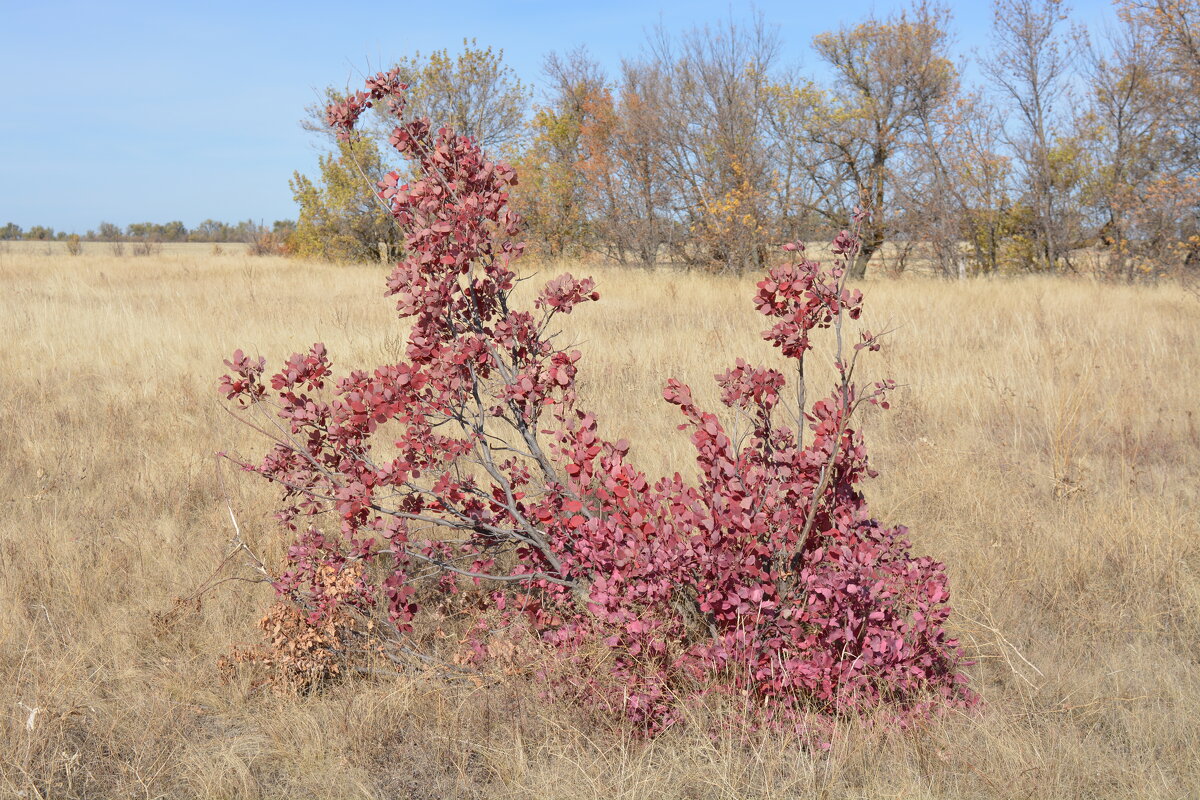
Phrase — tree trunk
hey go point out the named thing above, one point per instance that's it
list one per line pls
(872, 241)
(873, 236)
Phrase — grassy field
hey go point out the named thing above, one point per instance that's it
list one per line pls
(1045, 445)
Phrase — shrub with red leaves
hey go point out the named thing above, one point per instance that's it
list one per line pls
(472, 461)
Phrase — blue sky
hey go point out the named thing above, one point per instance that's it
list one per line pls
(132, 111)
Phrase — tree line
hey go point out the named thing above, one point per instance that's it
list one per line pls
(210, 230)
(1073, 150)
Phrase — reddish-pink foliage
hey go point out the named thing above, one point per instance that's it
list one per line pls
(766, 578)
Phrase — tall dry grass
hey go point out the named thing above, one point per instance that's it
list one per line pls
(1045, 446)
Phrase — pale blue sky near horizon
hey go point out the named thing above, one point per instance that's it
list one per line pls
(139, 111)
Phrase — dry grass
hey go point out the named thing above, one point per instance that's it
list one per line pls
(1046, 447)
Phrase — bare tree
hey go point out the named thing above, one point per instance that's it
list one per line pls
(889, 73)
(1173, 28)
(1128, 129)
(708, 90)
(810, 189)
(639, 199)
(594, 169)
(1030, 64)
(951, 194)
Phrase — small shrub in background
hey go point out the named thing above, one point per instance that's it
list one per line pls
(146, 247)
(117, 248)
(74, 245)
(264, 242)
(471, 467)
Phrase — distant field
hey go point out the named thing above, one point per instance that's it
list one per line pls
(887, 262)
(1046, 445)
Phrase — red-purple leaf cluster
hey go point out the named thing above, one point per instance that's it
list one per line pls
(766, 578)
